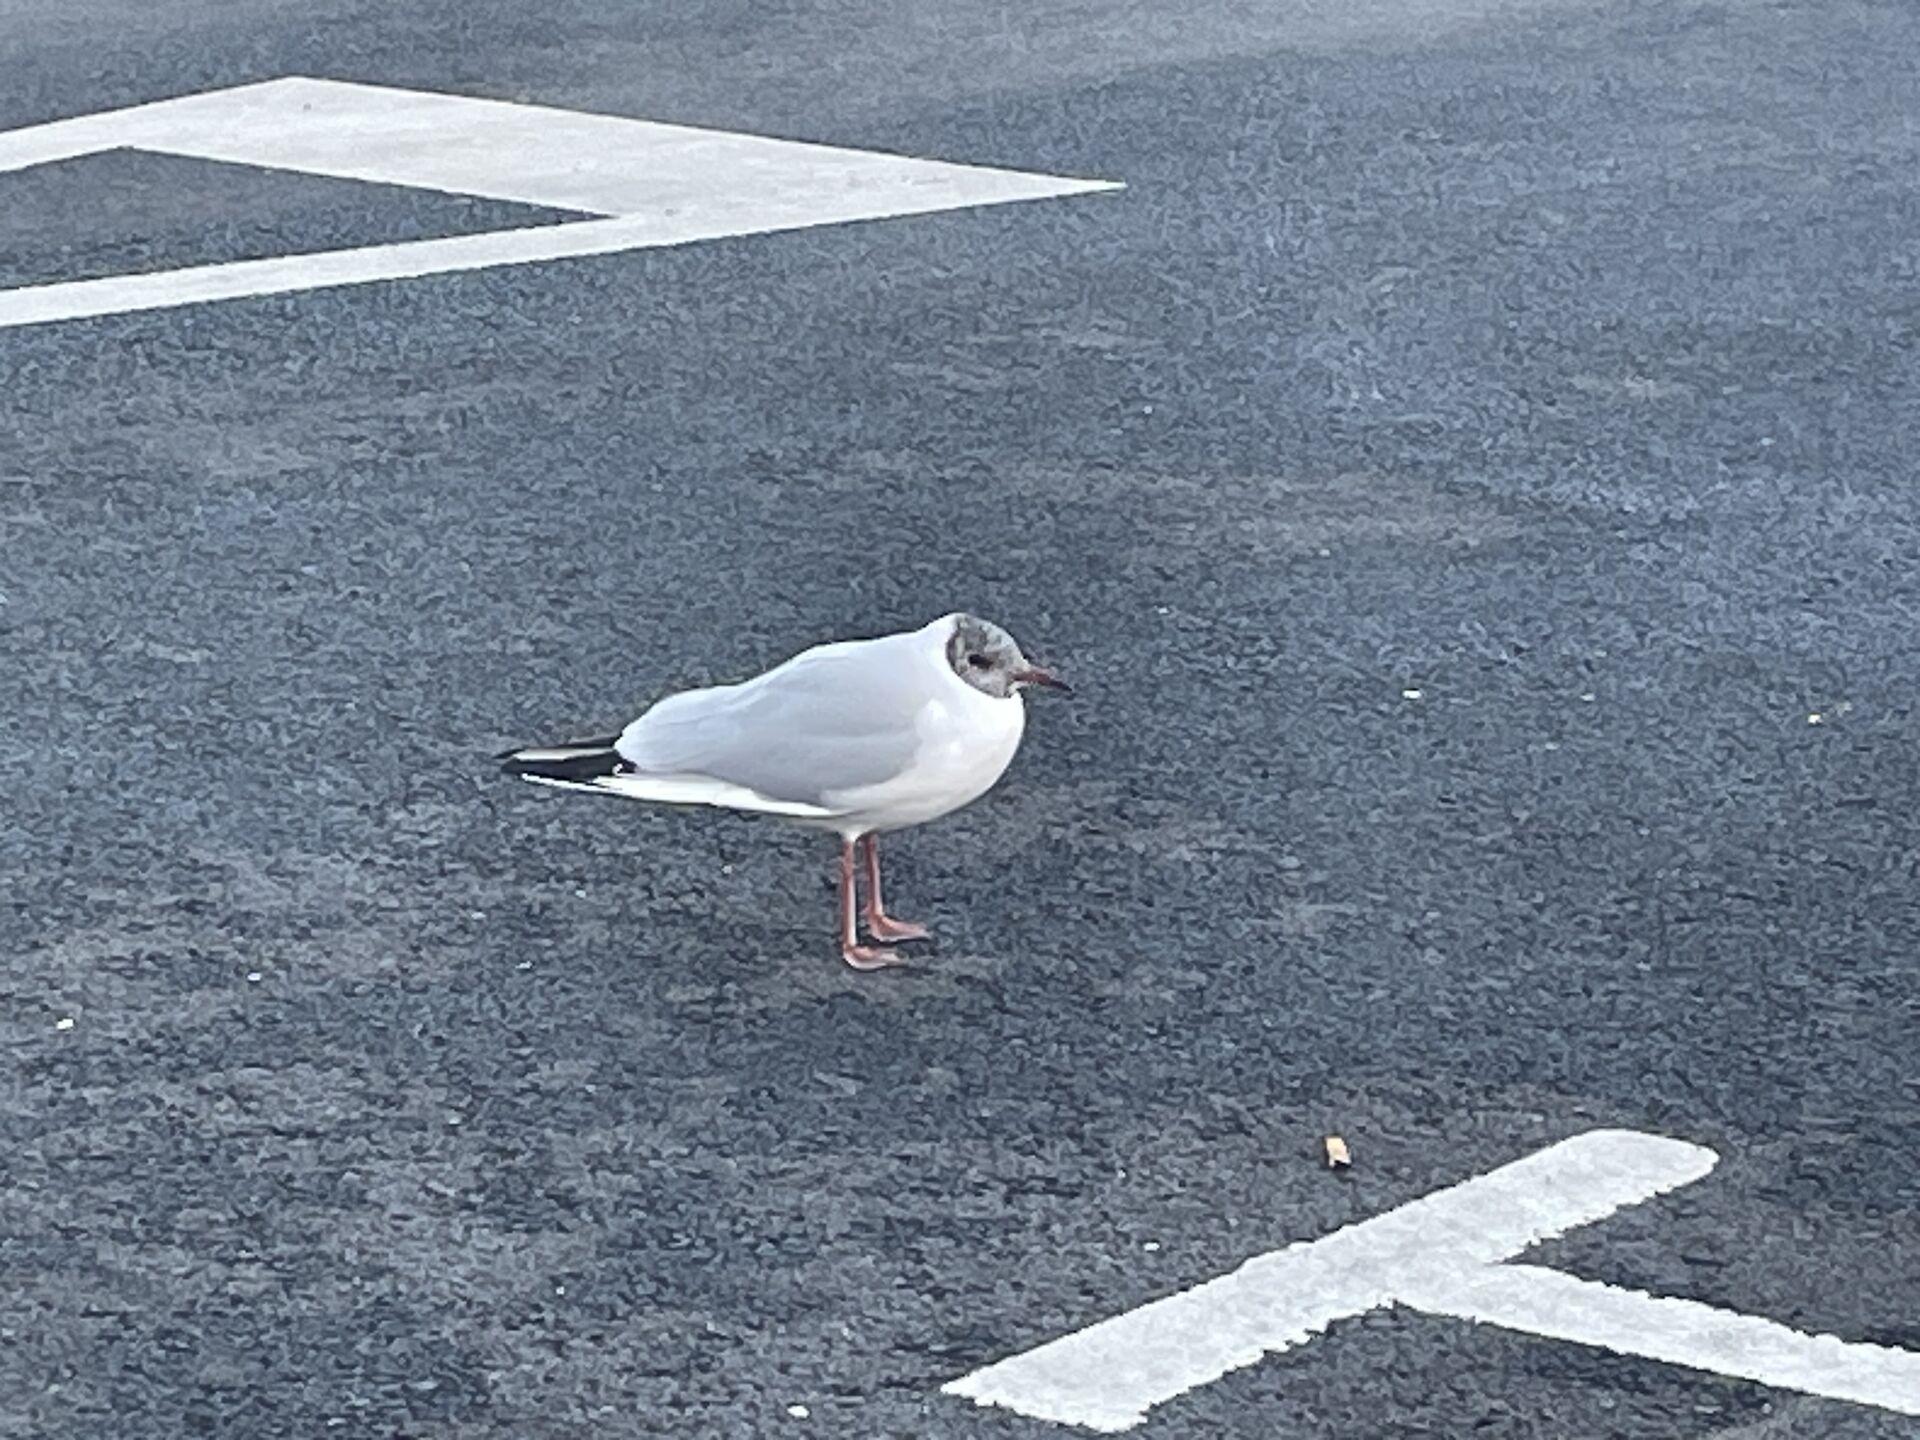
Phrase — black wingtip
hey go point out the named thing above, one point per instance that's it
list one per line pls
(597, 743)
(574, 760)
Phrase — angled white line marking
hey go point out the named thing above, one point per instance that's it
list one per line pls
(1443, 1253)
(654, 184)
(1107, 1377)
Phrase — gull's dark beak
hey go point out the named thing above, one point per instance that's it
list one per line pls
(1046, 679)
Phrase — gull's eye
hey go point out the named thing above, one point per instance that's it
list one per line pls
(979, 662)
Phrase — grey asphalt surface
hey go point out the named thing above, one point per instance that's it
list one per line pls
(1557, 361)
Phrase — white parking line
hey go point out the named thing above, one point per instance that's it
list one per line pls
(1679, 1332)
(1442, 1253)
(650, 184)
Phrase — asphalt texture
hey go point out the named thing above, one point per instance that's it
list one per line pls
(1468, 475)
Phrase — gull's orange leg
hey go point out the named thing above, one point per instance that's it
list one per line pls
(881, 925)
(860, 957)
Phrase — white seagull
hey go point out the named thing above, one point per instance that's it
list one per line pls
(858, 737)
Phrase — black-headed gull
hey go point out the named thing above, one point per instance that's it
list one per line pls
(858, 737)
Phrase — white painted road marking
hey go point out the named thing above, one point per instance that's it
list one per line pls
(1680, 1332)
(646, 184)
(1444, 1254)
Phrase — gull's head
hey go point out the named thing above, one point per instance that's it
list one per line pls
(987, 658)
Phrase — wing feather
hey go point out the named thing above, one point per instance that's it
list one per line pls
(832, 719)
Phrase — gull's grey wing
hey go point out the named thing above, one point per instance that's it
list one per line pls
(833, 719)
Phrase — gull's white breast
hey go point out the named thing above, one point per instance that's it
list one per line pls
(966, 741)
